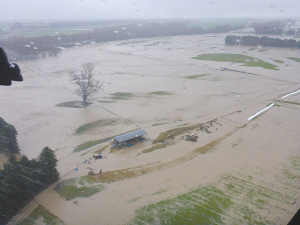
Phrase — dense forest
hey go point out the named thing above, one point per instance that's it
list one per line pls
(21, 179)
(261, 41)
(31, 48)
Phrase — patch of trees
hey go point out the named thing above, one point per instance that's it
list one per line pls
(21, 180)
(262, 41)
(272, 27)
(31, 48)
(275, 28)
(17, 26)
(8, 138)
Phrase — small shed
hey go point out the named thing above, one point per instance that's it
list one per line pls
(129, 138)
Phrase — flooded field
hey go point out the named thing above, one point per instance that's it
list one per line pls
(238, 171)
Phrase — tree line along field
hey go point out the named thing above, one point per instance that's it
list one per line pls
(261, 41)
(31, 48)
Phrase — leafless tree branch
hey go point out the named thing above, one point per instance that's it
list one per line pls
(87, 85)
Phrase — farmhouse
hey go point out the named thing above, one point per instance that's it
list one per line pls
(129, 138)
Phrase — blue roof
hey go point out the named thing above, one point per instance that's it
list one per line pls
(130, 135)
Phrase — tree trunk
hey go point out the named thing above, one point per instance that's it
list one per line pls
(84, 101)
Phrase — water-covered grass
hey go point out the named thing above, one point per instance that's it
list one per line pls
(160, 192)
(278, 61)
(78, 188)
(154, 43)
(160, 93)
(237, 58)
(41, 216)
(89, 144)
(239, 197)
(294, 59)
(71, 104)
(121, 96)
(236, 143)
(202, 206)
(289, 102)
(214, 204)
(158, 124)
(101, 149)
(196, 76)
(99, 123)
(132, 42)
(135, 199)
(155, 147)
(106, 102)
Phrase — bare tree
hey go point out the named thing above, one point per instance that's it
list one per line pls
(87, 84)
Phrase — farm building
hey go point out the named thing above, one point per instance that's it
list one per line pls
(129, 138)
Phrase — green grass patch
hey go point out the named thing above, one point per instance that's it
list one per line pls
(154, 43)
(101, 149)
(215, 203)
(185, 124)
(89, 144)
(121, 96)
(99, 123)
(278, 61)
(107, 102)
(262, 50)
(166, 42)
(41, 216)
(155, 147)
(251, 49)
(71, 104)
(289, 102)
(255, 126)
(113, 150)
(132, 42)
(237, 58)
(78, 188)
(71, 192)
(160, 192)
(135, 199)
(158, 124)
(294, 59)
(196, 76)
(160, 93)
(237, 143)
(201, 206)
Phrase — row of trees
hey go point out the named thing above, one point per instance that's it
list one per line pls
(21, 179)
(262, 41)
(30, 48)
